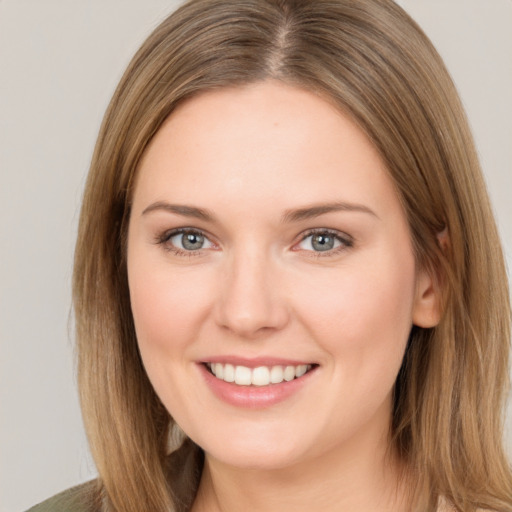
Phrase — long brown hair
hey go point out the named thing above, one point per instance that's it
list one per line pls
(370, 60)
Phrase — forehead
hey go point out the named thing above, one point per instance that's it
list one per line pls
(263, 141)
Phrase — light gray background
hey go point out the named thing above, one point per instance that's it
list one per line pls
(59, 63)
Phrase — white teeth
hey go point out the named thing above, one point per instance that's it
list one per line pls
(289, 373)
(260, 376)
(243, 376)
(276, 374)
(219, 370)
(229, 373)
(301, 370)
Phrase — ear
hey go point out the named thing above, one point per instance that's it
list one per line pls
(427, 301)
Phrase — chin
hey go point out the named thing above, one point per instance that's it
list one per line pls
(254, 451)
(255, 459)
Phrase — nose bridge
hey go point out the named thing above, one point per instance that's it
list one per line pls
(251, 301)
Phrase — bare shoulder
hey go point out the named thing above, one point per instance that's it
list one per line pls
(81, 498)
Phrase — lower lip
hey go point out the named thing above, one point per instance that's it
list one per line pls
(254, 397)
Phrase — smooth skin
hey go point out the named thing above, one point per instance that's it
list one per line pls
(295, 246)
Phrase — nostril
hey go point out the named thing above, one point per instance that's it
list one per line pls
(252, 319)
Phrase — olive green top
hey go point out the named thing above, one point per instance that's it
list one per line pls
(76, 499)
(81, 499)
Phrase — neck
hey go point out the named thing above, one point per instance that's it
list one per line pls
(355, 478)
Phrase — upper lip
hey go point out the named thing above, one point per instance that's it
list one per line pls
(256, 361)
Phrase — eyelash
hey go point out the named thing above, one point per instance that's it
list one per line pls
(346, 242)
(165, 237)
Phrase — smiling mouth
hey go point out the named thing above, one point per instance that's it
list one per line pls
(259, 376)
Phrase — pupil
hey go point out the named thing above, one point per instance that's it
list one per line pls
(192, 241)
(322, 242)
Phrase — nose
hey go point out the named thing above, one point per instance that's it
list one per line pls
(251, 301)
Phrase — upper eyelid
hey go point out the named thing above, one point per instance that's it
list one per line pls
(169, 233)
(334, 232)
(163, 239)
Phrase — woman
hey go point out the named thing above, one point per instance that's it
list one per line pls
(289, 289)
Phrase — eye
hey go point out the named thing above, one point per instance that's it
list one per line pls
(186, 240)
(324, 241)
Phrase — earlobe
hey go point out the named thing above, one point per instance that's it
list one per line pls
(427, 303)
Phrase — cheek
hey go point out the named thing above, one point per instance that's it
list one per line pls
(167, 306)
(364, 311)
(361, 320)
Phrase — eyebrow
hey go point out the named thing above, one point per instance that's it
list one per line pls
(180, 209)
(316, 210)
(290, 216)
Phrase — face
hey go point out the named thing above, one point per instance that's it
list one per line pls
(267, 245)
